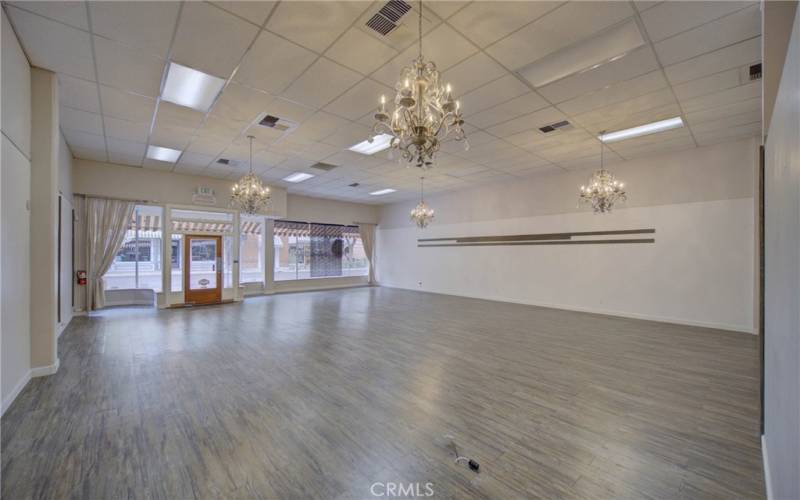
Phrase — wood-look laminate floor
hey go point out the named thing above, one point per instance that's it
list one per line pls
(322, 395)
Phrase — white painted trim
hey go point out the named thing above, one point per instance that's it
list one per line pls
(43, 371)
(592, 310)
(15, 392)
(765, 458)
(63, 326)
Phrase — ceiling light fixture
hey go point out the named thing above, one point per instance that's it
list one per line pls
(298, 177)
(425, 113)
(383, 191)
(650, 128)
(163, 154)
(191, 88)
(603, 189)
(422, 214)
(249, 194)
(370, 147)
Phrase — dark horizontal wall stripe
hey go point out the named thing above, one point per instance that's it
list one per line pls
(541, 236)
(556, 242)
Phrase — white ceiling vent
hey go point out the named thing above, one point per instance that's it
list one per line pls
(388, 17)
(556, 127)
(280, 124)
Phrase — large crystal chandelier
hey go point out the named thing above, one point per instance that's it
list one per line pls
(603, 189)
(425, 113)
(422, 214)
(249, 194)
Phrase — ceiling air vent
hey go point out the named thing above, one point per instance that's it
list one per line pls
(755, 72)
(280, 124)
(327, 167)
(562, 125)
(223, 161)
(385, 20)
(232, 163)
(353, 185)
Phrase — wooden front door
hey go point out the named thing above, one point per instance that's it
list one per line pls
(202, 280)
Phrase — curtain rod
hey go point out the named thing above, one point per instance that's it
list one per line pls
(100, 197)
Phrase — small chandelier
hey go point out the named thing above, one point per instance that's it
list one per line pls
(249, 194)
(424, 115)
(422, 214)
(603, 189)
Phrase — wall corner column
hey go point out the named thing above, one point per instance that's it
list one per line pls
(44, 221)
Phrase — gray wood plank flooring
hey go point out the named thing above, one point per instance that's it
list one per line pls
(321, 395)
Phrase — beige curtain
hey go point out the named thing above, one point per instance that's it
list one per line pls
(367, 233)
(106, 223)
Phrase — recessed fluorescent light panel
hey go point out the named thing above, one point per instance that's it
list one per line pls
(379, 143)
(383, 191)
(650, 128)
(298, 177)
(191, 88)
(163, 154)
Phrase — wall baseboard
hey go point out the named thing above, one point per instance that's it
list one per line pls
(43, 371)
(765, 458)
(591, 310)
(16, 391)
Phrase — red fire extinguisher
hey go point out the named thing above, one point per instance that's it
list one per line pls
(81, 277)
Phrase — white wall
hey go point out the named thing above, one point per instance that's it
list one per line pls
(699, 271)
(65, 190)
(15, 229)
(782, 284)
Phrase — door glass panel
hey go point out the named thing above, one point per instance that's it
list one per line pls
(203, 264)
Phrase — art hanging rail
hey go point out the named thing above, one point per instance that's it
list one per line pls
(573, 238)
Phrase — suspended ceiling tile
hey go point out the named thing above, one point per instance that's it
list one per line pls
(127, 106)
(733, 28)
(308, 89)
(273, 63)
(533, 120)
(613, 94)
(446, 9)
(314, 24)
(52, 45)
(128, 69)
(472, 73)
(78, 139)
(126, 130)
(71, 13)
(727, 122)
(709, 84)
(563, 26)
(715, 113)
(728, 134)
(670, 18)
(254, 12)
(739, 54)
(319, 126)
(524, 104)
(493, 93)
(145, 25)
(361, 99)
(729, 96)
(178, 116)
(121, 147)
(360, 51)
(81, 120)
(78, 94)
(209, 146)
(487, 22)
(241, 103)
(211, 40)
(88, 153)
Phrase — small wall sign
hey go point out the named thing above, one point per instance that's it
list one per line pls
(204, 196)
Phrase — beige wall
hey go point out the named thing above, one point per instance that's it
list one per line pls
(117, 181)
(699, 271)
(15, 239)
(306, 209)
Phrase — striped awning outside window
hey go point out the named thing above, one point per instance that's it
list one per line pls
(182, 226)
(145, 222)
(250, 227)
(303, 229)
